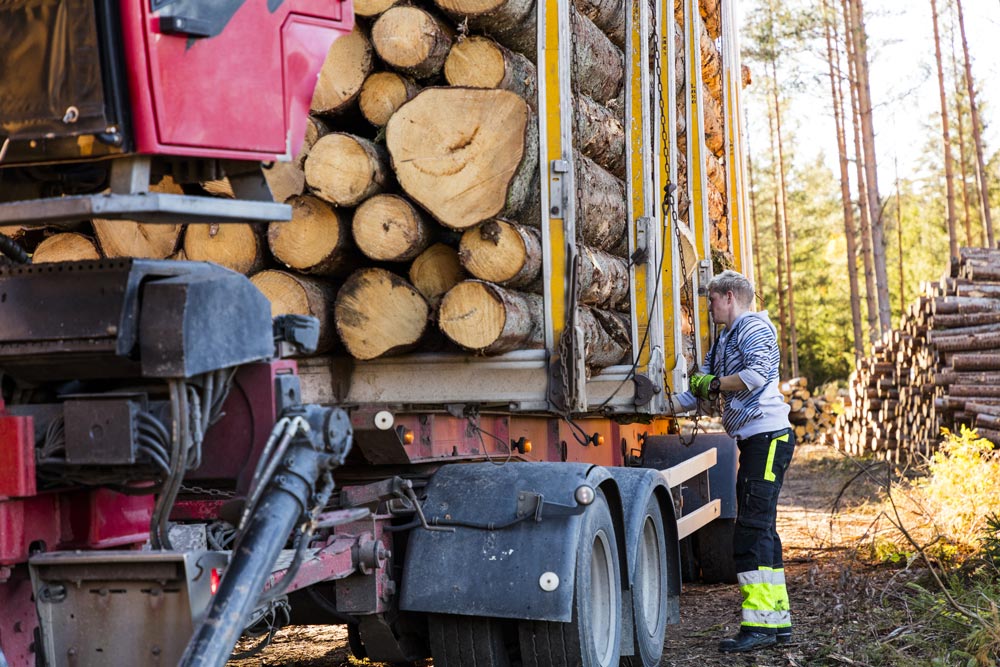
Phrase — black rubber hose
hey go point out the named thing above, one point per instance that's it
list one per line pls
(12, 249)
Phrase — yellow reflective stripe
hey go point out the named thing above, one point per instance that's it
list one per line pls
(769, 467)
(765, 597)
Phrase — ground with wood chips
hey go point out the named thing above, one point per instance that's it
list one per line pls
(841, 606)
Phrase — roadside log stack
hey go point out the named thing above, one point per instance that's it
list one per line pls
(811, 415)
(939, 369)
(416, 202)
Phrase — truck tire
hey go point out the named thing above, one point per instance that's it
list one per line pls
(649, 587)
(714, 550)
(593, 637)
(467, 641)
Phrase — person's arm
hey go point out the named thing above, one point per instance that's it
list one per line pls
(756, 344)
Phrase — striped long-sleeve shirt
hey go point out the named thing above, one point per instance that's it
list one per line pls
(748, 348)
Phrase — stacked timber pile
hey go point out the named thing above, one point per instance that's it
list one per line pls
(416, 195)
(811, 415)
(940, 369)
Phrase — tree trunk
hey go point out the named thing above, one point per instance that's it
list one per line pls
(605, 337)
(600, 206)
(389, 228)
(599, 135)
(598, 65)
(298, 295)
(235, 246)
(510, 22)
(871, 290)
(435, 271)
(711, 16)
(123, 238)
(348, 62)
(608, 15)
(715, 133)
(383, 93)
(372, 8)
(962, 155)
(977, 137)
(602, 280)
(503, 252)
(779, 245)
(793, 337)
(466, 154)
(711, 66)
(949, 175)
(412, 41)
(379, 314)
(345, 170)
(488, 319)
(480, 62)
(860, 39)
(715, 172)
(65, 247)
(316, 241)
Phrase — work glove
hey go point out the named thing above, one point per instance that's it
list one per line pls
(705, 386)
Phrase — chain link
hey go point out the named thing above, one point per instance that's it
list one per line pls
(201, 490)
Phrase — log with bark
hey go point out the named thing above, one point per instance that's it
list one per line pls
(465, 154)
(488, 319)
(503, 252)
(711, 66)
(372, 8)
(480, 62)
(348, 62)
(315, 129)
(378, 313)
(292, 294)
(510, 22)
(606, 337)
(389, 228)
(384, 92)
(599, 135)
(602, 279)
(608, 15)
(715, 136)
(65, 247)
(435, 271)
(239, 247)
(412, 40)
(601, 209)
(711, 16)
(344, 169)
(317, 240)
(123, 238)
(598, 65)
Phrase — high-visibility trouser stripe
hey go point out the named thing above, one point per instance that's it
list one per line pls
(769, 467)
(765, 598)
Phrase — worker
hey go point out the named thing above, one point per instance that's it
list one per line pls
(742, 368)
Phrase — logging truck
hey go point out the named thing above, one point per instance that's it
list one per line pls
(368, 314)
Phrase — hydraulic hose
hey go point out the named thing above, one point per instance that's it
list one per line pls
(285, 501)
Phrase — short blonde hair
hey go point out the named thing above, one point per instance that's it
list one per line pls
(737, 283)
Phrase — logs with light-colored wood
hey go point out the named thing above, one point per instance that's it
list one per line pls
(711, 16)
(292, 294)
(236, 246)
(372, 8)
(384, 92)
(315, 130)
(711, 66)
(480, 62)
(345, 169)
(65, 247)
(598, 65)
(602, 279)
(378, 314)
(510, 22)
(715, 137)
(348, 63)
(503, 252)
(435, 271)
(608, 15)
(123, 238)
(465, 154)
(316, 241)
(390, 228)
(488, 319)
(412, 40)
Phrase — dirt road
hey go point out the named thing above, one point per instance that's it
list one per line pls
(835, 599)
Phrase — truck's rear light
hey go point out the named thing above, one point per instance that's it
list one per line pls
(214, 586)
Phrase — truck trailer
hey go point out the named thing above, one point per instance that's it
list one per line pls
(186, 463)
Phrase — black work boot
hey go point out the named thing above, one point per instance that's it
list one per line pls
(783, 636)
(747, 640)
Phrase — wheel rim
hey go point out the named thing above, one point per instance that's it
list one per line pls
(602, 597)
(649, 577)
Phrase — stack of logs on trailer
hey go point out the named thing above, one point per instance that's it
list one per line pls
(416, 194)
(939, 369)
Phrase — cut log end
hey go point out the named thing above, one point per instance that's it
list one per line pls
(347, 63)
(297, 295)
(378, 313)
(235, 246)
(389, 228)
(316, 240)
(345, 170)
(411, 40)
(382, 94)
(502, 252)
(436, 270)
(488, 319)
(476, 62)
(65, 247)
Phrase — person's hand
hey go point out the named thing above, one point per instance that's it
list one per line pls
(705, 386)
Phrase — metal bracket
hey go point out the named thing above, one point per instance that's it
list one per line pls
(557, 198)
(704, 275)
(643, 233)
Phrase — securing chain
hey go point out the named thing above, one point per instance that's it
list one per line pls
(203, 491)
(668, 207)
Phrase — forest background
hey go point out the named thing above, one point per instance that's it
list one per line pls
(784, 44)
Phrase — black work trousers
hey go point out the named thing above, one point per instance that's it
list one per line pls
(764, 458)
